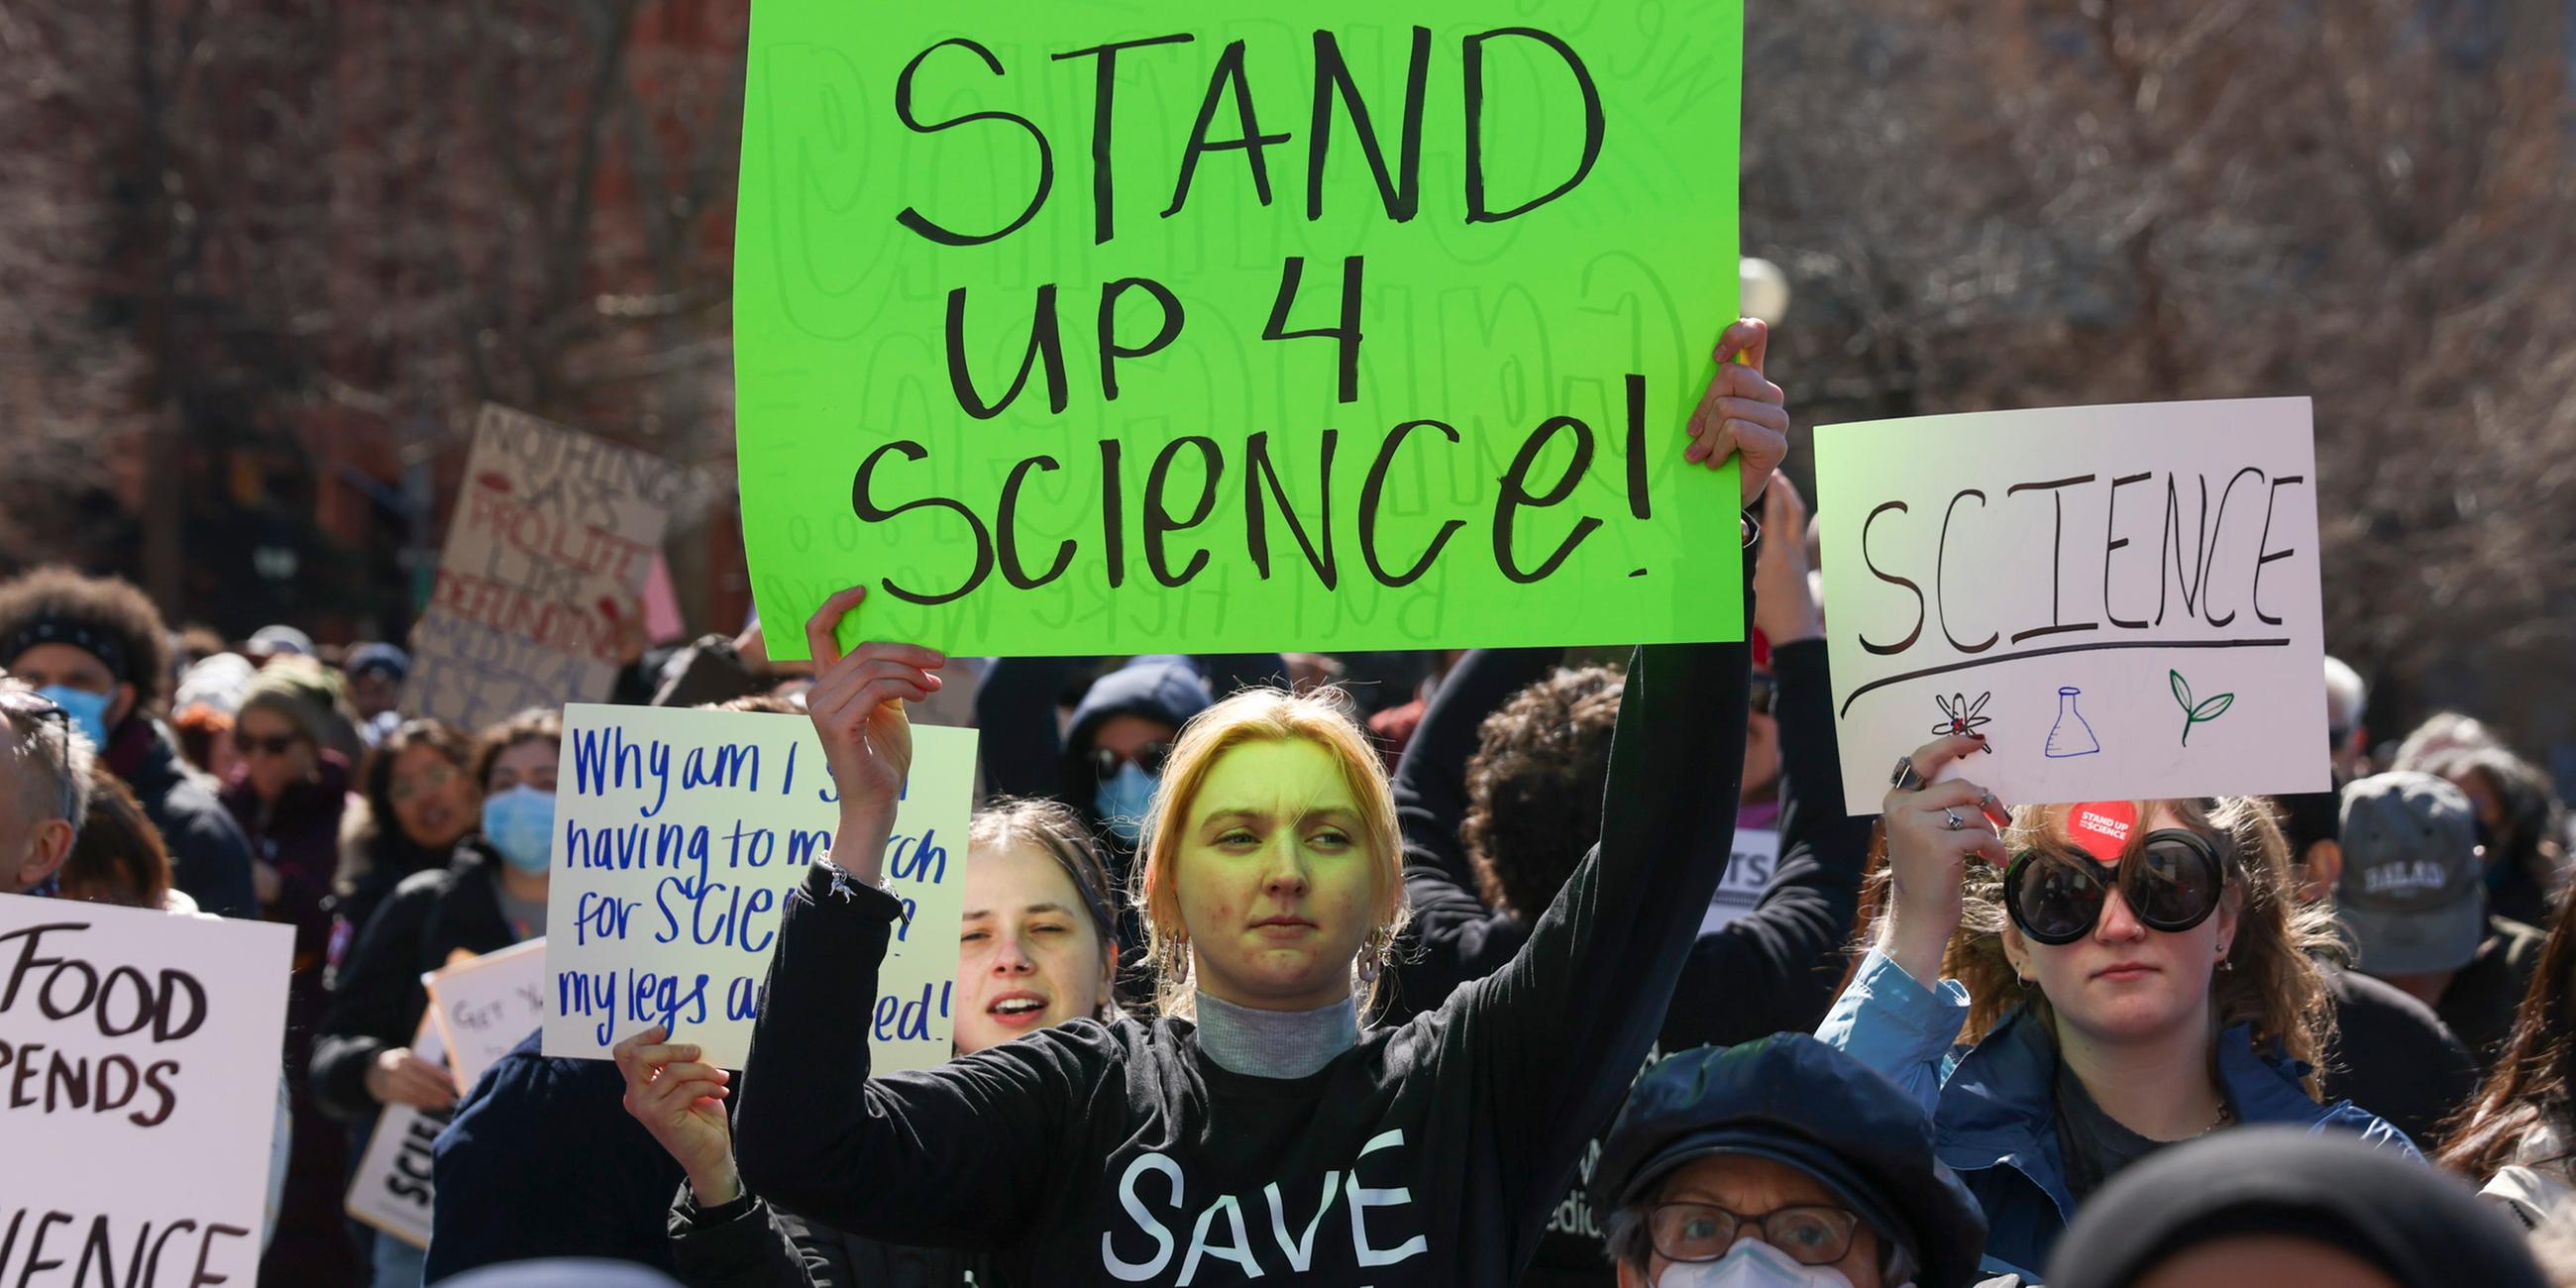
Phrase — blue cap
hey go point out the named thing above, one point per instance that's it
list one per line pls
(1796, 1101)
(378, 656)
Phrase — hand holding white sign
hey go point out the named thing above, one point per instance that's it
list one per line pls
(1933, 829)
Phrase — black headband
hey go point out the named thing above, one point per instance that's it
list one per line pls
(101, 644)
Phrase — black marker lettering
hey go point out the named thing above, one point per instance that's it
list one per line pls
(1104, 101)
(1373, 492)
(1159, 521)
(2111, 542)
(911, 217)
(1226, 79)
(1257, 469)
(2263, 549)
(1940, 562)
(1401, 192)
(2057, 623)
(865, 507)
(1473, 54)
(1919, 607)
(1516, 494)
(1044, 342)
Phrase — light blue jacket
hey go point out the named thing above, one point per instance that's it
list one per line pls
(1993, 1107)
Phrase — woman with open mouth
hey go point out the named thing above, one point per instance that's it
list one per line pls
(1254, 1122)
(1037, 947)
(2117, 976)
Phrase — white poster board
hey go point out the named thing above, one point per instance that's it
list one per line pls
(1757, 857)
(2124, 600)
(678, 836)
(139, 1067)
(487, 1006)
(553, 535)
(391, 1190)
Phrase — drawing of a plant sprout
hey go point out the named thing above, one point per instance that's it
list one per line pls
(2194, 713)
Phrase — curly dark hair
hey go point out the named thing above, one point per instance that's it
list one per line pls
(117, 857)
(1534, 787)
(536, 724)
(110, 606)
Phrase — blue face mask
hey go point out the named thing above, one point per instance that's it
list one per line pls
(88, 711)
(520, 823)
(1123, 799)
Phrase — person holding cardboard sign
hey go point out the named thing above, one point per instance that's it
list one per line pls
(2117, 976)
(1037, 947)
(1135, 1152)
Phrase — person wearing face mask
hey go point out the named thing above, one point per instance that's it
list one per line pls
(2114, 977)
(289, 796)
(97, 648)
(420, 798)
(1036, 948)
(490, 894)
(1781, 1163)
(1256, 1105)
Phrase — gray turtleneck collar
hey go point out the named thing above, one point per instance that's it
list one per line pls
(1275, 1044)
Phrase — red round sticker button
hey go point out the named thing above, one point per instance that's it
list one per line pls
(2103, 827)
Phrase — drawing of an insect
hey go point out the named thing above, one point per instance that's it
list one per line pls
(1962, 716)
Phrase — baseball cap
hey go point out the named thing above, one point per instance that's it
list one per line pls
(2413, 896)
(1799, 1102)
(268, 641)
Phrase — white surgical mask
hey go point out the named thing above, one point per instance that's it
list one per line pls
(1751, 1263)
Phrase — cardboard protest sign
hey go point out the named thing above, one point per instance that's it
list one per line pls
(2124, 600)
(547, 552)
(1088, 327)
(1757, 857)
(139, 1053)
(486, 1006)
(392, 1189)
(679, 835)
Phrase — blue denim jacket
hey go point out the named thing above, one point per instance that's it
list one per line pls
(1993, 1110)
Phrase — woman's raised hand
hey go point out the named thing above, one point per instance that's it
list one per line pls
(1932, 829)
(1743, 414)
(857, 708)
(681, 1101)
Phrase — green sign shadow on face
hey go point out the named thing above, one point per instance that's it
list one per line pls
(1080, 328)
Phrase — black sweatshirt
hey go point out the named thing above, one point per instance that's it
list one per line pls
(1773, 970)
(749, 1244)
(1430, 1153)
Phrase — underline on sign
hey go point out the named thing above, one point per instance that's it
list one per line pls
(2027, 654)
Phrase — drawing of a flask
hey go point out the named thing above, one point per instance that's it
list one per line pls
(2070, 736)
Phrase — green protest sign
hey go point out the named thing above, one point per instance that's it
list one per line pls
(1083, 327)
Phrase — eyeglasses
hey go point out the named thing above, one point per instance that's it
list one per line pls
(1812, 1235)
(2172, 880)
(435, 779)
(276, 744)
(1150, 758)
(33, 706)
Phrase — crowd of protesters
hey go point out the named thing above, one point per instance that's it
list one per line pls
(1384, 969)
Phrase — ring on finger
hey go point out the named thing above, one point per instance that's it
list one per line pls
(1906, 778)
(1956, 822)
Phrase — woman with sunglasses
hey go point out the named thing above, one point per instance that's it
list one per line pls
(2116, 976)
(490, 894)
(420, 799)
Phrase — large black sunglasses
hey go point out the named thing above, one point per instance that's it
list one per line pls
(1150, 758)
(2171, 880)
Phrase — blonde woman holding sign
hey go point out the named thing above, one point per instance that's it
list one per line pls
(2113, 977)
(1266, 1132)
